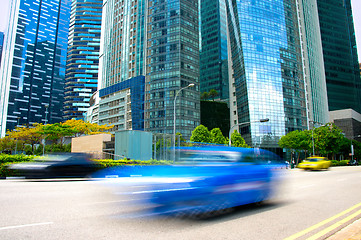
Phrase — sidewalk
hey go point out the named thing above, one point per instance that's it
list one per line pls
(350, 232)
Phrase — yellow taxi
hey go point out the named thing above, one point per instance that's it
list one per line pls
(315, 163)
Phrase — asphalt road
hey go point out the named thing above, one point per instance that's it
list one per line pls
(78, 209)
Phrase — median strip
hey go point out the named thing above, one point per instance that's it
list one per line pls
(314, 227)
(25, 225)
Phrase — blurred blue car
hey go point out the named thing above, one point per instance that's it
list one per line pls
(202, 180)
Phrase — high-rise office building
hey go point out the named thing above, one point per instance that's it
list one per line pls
(159, 40)
(172, 63)
(312, 61)
(81, 78)
(214, 51)
(122, 50)
(268, 76)
(33, 67)
(340, 54)
(275, 64)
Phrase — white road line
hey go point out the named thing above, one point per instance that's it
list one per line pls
(105, 202)
(341, 179)
(25, 225)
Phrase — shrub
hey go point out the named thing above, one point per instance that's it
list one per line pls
(5, 158)
(104, 163)
(339, 163)
(5, 172)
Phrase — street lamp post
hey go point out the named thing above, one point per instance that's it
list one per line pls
(16, 146)
(244, 123)
(46, 122)
(174, 115)
(352, 150)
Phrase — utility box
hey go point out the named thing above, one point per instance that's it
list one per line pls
(135, 145)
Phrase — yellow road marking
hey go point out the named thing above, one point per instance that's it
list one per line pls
(299, 234)
(334, 226)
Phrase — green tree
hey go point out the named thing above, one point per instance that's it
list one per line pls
(29, 135)
(297, 141)
(327, 139)
(57, 131)
(237, 140)
(85, 128)
(217, 136)
(201, 134)
(213, 93)
(7, 144)
(205, 96)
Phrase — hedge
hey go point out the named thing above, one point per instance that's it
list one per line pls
(104, 163)
(339, 163)
(112, 163)
(5, 158)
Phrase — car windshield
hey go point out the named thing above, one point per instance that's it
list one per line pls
(314, 159)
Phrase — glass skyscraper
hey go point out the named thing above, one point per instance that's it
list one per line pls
(268, 71)
(312, 60)
(81, 79)
(214, 48)
(34, 59)
(159, 40)
(172, 64)
(340, 54)
(122, 51)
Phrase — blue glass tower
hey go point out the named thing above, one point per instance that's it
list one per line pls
(81, 79)
(33, 67)
(267, 65)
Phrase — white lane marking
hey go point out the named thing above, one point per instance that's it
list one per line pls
(25, 225)
(341, 179)
(105, 202)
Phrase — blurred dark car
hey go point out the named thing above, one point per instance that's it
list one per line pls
(202, 180)
(57, 165)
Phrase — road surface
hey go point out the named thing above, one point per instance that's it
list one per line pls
(310, 204)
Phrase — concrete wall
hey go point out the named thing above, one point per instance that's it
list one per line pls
(91, 143)
(349, 121)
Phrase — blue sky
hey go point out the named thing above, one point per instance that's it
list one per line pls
(356, 9)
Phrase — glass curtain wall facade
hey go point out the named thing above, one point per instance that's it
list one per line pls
(214, 54)
(340, 54)
(314, 72)
(81, 79)
(34, 59)
(268, 75)
(172, 64)
(122, 41)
